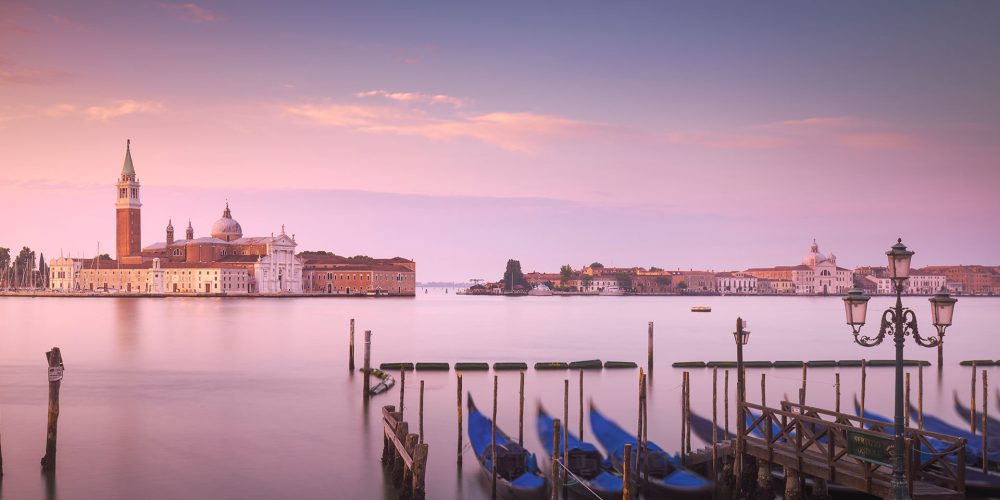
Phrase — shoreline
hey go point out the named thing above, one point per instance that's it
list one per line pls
(121, 295)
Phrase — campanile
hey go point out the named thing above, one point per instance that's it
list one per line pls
(127, 205)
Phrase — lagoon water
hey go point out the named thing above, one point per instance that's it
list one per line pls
(252, 398)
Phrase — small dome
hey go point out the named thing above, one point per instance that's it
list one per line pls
(814, 256)
(227, 228)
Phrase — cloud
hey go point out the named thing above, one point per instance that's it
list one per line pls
(521, 131)
(415, 97)
(820, 122)
(15, 74)
(717, 140)
(190, 12)
(122, 108)
(879, 141)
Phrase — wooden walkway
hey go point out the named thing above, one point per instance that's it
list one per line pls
(812, 441)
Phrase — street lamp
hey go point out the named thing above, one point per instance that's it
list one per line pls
(741, 336)
(899, 322)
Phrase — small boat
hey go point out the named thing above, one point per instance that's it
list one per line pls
(540, 291)
(701, 309)
(596, 476)
(518, 476)
(386, 381)
(992, 424)
(667, 476)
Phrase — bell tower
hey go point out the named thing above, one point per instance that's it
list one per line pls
(127, 205)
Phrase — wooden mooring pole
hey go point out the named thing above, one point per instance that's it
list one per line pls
(920, 397)
(420, 423)
(459, 453)
(493, 442)
(684, 376)
(649, 362)
(725, 400)
(565, 438)
(715, 427)
(972, 405)
(520, 411)
(55, 361)
(402, 390)
(864, 379)
(350, 363)
(986, 417)
(556, 452)
(368, 367)
(765, 489)
(805, 375)
(626, 474)
(837, 385)
(581, 406)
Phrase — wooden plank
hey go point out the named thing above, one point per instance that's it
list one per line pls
(391, 434)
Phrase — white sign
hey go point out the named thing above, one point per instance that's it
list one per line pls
(55, 373)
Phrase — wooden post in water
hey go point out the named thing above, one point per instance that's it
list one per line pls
(459, 454)
(54, 358)
(725, 400)
(565, 438)
(764, 486)
(986, 417)
(645, 436)
(715, 427)
(687, 414)
(421, 422)
(906, 397)
(402, 389)
(864, 379)
(520, 411)
(972, 405)
(581, 405)
(556, 448)
(837, 385)
(638, 433)
(683, 420)
(920, 397)
(649, 362)
(805, 373)
(493, 442)
(368, 367)
(350, 363)
(627, 473)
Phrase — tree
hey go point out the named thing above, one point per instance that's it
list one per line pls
(587, 280)
(104, 256)
(513, 278)
(4, 266)
(596, 265)
(565, 273)
(663, 280)
(43, 271)
(682, 286)
(624, 280)
(24, 266)
(654, 269)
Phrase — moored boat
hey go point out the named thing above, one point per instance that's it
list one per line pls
(701, 309)
(518, 476)
(595, 475)
(667, 476)
(992, 424)
(386, 381)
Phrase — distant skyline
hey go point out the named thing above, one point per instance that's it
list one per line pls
(699, 135)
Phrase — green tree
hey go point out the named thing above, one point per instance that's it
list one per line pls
(596, 265)
(654, 269)
(104, 256)
(24, 265)
(682, 286)
(624, 280)
(565, 273)
(43, 272)
(4, 266)
(587, 280)
(513, 278)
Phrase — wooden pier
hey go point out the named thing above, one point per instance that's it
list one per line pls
(403, 455)
(813, 442)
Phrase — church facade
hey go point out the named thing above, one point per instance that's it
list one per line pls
(818, 274)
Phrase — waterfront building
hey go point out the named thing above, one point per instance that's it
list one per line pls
(736, 282)
(974, 279)
(64, 273)
(335, 275)
(693, 281)
(817, 274)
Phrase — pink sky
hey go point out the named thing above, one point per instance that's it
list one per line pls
(461, 137)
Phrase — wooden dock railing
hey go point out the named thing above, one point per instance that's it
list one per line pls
(813, 442)
(403, 455)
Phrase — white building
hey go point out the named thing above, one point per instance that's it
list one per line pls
(917, 284)
(735, 282)
(280, 271)
(817, 274)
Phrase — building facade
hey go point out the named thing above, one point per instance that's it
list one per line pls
(816, 275)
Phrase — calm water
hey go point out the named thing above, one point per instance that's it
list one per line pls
(247, 399)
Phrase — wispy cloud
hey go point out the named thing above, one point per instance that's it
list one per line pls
(726, 140)
(122, 108)
(415, 97)
(12, 73)
(189, 12)
(520, 131)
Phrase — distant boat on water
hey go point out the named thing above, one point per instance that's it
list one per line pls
(701, 309)
(540, 291)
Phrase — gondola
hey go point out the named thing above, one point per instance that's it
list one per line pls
(518, 476)
(992, 424)
(702, 428)
(596, 476)
(667, 476)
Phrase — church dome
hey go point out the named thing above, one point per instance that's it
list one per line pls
(814, 256)
(227, 228)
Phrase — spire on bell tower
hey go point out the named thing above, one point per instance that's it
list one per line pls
(189, 234)
(127, 206)
(170, 232)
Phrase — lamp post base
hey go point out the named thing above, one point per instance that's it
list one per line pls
(898, 489)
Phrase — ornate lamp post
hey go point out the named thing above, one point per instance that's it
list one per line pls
(741, 336)
(898, 322)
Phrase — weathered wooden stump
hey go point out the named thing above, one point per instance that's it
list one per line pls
(54, 358)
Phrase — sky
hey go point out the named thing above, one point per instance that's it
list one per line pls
(684, 135)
